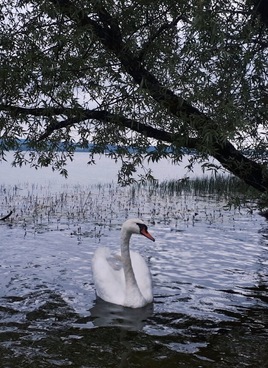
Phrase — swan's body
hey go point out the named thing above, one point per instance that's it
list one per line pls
(123, 279)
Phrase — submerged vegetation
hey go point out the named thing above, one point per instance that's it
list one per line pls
(227, 187)
(93, 208)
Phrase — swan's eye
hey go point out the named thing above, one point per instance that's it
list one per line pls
(144, 231)
(142, 227)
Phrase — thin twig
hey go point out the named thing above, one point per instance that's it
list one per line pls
(6, 217)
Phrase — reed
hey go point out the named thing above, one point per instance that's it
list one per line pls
(220, 185)
(92, 210)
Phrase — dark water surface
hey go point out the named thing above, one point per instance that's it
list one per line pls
(210, 275)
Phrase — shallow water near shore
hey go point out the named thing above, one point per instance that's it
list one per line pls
(209, 266)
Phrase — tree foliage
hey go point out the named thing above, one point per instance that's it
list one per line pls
(174, 74)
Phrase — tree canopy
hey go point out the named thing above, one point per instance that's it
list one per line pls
(173, 74)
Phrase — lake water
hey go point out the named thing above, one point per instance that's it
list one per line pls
(104, 171)
(209, 266)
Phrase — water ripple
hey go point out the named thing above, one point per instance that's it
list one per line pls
(209, 273)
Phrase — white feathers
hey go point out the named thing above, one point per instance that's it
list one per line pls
(123, 279)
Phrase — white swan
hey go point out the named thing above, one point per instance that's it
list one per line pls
(123, 279)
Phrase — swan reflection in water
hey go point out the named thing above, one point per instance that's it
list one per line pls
(108, 314)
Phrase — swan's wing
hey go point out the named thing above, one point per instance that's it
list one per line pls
(115, 261)
(142, 275)
(108, 276)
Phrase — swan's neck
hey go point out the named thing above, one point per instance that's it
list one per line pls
(132, 289)
(126, 260)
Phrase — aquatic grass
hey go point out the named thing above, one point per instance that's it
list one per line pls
(180, 199)
(222, 186)
(92, 211)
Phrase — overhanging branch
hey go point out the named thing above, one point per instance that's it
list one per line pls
(106, 29)
(106, 117)
(108, 32)
(233, 160)
(102, 116)
(35, 111)
(164, 27)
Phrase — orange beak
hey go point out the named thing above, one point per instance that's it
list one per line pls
(147, 234)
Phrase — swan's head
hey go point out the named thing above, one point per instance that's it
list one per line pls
(137, 226)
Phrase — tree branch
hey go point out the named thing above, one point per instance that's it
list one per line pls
(105, 117)
(261, 6)
(230, 158)
(233, 160)
(164, 27)
(111, 39)
(102, 116)
(6, 217)
(35, 111)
